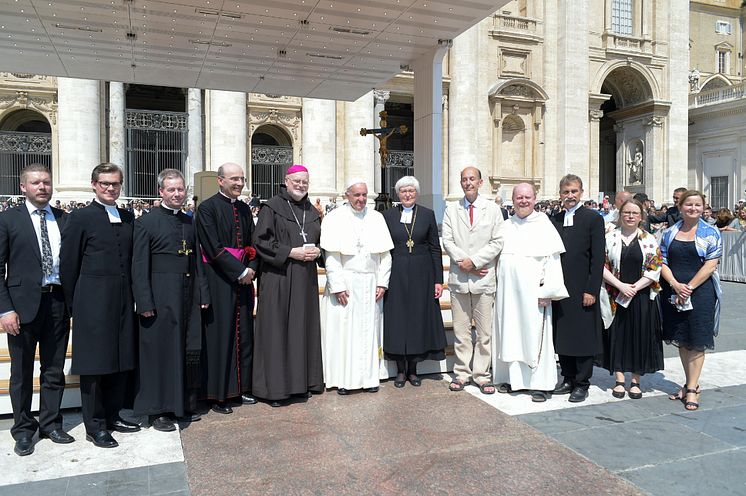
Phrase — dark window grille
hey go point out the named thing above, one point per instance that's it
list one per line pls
(268, 166)
(155, 141)
(17, 150)
(399, 164)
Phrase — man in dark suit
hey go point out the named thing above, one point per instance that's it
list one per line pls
(672, 215)
(32, 309)
(95, 268)
(577, 319)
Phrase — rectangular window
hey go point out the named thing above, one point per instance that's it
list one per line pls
(718, 192)
(722, 27)
(723, 62)
(621, 16)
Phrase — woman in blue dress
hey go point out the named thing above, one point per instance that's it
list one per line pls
(691, 250)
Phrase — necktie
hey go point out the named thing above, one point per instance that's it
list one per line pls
(471, 215)
(46, 248)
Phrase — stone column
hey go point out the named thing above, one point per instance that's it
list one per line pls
(227, 129)
(654, 158)
(359, 161)
(446, 165)
(79, 135)
(195, 138)
(594, 116)
(675, 168)
(463, 121)
(379, 97)
(428, 127)
(117, 136)
(319, 146)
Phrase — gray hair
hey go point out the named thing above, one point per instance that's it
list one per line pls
(169, 174)
(570, 178)
(405, 182)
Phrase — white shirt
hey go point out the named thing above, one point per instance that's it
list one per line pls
(53, 230)
(570, 215)
(474, 211)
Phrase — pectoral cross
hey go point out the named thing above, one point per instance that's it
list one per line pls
(410, 245)
(184, 248)
(304, 234)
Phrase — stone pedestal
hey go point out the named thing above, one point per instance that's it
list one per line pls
(319, 146)
(79, 131)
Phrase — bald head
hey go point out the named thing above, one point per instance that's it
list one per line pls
(231, 179)
(524, 199)
(622, 197)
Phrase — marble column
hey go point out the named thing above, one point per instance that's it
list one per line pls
(463, 143)
(319, 146)
(594, 118)
(79, 135)
(654, 159)
(676, 125)
(117, 133)
(428, 128)
(195, 138)
(360, 150)
(227, 128)
(379, 97)
(446, 165)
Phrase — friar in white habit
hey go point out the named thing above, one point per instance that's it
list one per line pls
(356, 244)
(529, 278)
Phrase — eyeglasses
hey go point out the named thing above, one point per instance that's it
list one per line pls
(299, 182)
(408, 191)
(107, 185)
(235, 179)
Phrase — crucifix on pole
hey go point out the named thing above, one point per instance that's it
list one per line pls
(382, 134)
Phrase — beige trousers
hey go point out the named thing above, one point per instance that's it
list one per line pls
(473, 360)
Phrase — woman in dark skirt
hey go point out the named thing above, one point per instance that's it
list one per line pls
(691, 250)
(412, 324)
(630, 310)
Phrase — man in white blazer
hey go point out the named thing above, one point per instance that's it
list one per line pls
(472, 239)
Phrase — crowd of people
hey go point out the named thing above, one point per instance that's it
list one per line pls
(163, 302)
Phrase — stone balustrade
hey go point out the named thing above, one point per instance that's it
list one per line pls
(717, 95)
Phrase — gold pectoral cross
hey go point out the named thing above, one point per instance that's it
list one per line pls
(410, 244)
(185, 249)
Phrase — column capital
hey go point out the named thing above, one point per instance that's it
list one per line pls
(654, 121)
(595, 115)
(380, 96)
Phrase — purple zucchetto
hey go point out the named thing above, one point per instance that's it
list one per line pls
(296, 168)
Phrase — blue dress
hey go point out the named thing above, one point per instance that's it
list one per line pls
(693, 329)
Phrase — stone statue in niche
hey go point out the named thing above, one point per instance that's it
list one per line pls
(636, 166)
(694, 80)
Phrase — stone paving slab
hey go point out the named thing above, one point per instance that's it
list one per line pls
(424, 440)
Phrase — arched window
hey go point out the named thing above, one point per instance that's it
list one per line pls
(25, 138)
(271, 155)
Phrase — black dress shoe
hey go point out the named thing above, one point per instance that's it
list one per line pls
(563, 388)
(342, 391)
(24, 446)
(223, 408)
(57, 436)
(102, 439)
(163, 424)
(400, 380)
(371, 390)
(578, 395)
(275, 404)
(415, 381)
(247, 399)
(121, 425)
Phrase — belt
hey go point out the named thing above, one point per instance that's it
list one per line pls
(174, 264)
(51, 288)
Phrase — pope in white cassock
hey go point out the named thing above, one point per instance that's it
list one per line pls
(356, 244)
(529, 277)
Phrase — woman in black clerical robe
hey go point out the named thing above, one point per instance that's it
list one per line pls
(412, 324)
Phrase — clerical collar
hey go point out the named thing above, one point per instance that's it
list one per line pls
(172, 210)
(570, 215)
(111, 211)
(406, 214)
(232, 200)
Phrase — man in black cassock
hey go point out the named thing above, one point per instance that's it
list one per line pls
(169, 292)
(577, 319)
(95, 268)
(224, 227)
(287, 356)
